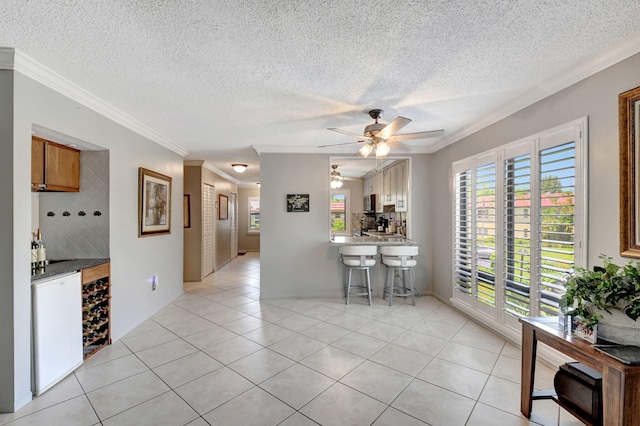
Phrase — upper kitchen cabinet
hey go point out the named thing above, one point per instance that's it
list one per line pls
(54, 167)
(402, 186)
(389, 179)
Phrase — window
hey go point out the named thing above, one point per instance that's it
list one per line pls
(254, 214)
(340, 212)
(519, 225)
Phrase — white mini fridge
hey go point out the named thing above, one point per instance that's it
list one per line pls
(57, 329)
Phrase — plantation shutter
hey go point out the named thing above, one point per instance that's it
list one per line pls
(485, 233)
(517, 235)
(557, 223)
(462, 238)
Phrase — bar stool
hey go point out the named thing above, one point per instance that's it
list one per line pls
(358, 257)
(400, 263)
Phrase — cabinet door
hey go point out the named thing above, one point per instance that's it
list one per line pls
(37, 164)
(388, 198)
(402, 186)
(367, 187)
(378, 189)
(62, 170)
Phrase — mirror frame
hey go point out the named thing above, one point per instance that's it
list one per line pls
(628, 104)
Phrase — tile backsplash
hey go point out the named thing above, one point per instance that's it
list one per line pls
(75, 225)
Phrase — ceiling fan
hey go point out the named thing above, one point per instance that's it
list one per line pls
(377, 135)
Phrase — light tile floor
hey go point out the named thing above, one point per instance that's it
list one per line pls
(220, 356)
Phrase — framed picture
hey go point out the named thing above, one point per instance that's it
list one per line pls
(186, 210)
(154, 203)
(223, 212)
(297, 202)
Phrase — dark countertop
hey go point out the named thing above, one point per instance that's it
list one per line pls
(65, 267)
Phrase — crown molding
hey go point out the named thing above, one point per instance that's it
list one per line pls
(618, 52)
(207, 165)
(17, 61)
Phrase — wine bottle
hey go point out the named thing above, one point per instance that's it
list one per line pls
(42, 251)
(34, 252)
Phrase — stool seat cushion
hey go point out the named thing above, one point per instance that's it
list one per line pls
(358, 250)
(399, 250)
(355, 261)
(397, 262)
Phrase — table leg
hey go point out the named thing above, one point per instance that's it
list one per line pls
(529, 345)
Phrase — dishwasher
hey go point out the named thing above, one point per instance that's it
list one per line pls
(57, 329)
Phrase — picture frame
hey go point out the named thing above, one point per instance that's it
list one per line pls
(154, 203)
(298, 203)
(186, 210)
(629, 164)
(223, 211)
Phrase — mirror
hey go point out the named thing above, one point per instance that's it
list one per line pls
(629, 124)
(347, 220)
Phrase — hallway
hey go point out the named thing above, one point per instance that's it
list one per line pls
(219, 356)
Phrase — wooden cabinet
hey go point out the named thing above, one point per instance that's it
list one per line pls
(368, 186)
(402, 186)
(96, 308)
(389, 186)
(378, 188)
(54, 167)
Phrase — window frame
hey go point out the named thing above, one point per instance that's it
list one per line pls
(347, 211)
(251, 230)
(535, 144)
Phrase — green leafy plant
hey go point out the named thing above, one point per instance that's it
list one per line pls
(589, 293)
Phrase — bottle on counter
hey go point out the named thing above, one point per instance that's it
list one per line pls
(42, 251)
(34, 252)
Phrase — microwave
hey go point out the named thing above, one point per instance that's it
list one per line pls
(370, 203)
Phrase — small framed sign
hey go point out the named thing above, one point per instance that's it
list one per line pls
(297, 202)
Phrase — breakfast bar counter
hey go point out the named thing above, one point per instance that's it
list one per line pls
(379, 240)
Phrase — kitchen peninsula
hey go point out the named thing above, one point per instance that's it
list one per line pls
(372, 240)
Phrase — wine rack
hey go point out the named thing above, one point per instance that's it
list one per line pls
(96, 308)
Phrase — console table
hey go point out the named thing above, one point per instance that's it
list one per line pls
(620, 382)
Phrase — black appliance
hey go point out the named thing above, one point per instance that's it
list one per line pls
(369, 222)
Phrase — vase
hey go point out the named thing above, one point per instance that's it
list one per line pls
(618, 328)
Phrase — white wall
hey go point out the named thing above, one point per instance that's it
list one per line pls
(133, 260)
(10, 321)
(595, 97)
(295, 257)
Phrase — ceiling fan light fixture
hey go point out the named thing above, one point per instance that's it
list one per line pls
(239, 168)
(382, 149)
(365, 150)
(336, 179)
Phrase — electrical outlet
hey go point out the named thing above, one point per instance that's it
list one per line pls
(154, 283)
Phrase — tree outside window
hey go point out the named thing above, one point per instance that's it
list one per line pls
(339, 212)
(254, 214)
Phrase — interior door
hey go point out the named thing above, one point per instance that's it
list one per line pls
(233, 223)
(208, 228)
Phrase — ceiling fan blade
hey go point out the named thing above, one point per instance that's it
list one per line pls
(419, 135)
(345, 132)
(391, 128)
(339, 144)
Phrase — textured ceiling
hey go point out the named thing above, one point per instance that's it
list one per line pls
(219, 78)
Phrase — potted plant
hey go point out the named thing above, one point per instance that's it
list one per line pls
(606, 295)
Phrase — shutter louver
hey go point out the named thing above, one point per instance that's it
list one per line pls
(556, 221)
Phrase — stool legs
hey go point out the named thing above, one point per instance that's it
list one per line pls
(390, 283)
(365, 278)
